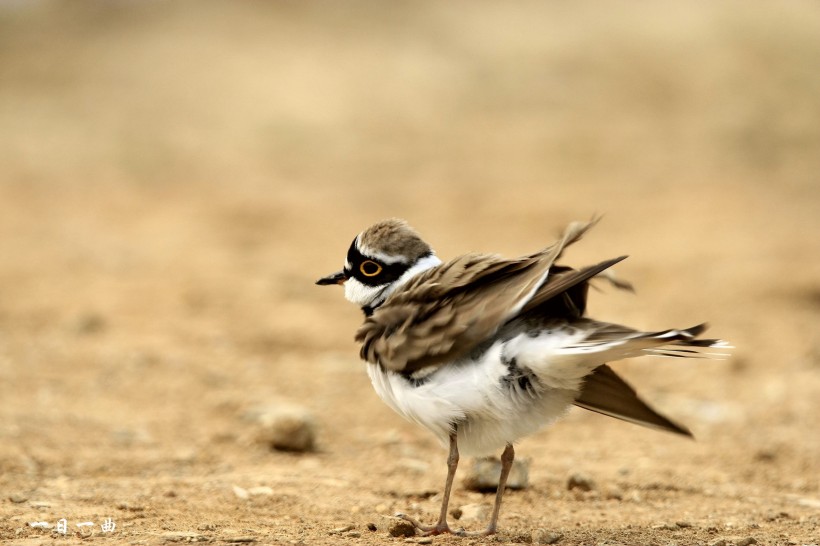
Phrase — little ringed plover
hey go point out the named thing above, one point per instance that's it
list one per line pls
(483, 350)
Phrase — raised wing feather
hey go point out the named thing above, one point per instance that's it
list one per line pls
(564, 280)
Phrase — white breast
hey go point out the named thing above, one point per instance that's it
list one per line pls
(489, 412)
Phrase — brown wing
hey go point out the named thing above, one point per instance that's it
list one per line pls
(443, 313)
(604, 392)
(436, 321)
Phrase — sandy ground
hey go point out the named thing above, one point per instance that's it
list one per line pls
(174, 177)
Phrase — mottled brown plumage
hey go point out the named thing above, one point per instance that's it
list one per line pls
(442, 313)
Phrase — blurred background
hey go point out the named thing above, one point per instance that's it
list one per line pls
(174, 176)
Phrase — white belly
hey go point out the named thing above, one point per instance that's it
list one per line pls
(488, 412)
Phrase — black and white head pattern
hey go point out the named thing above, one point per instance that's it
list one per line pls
(381, 259)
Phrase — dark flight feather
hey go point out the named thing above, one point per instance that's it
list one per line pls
(606, 393)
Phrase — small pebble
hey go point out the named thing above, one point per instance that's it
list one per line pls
(484, 474)
(340, 530)
(665, 527)
(544, 536)
(181, 536)
(772, 516)
(811, 503)
(580, 481)
(683, 524)
(286, 427)
(613, 493)
(401, 528)
(261, 491)
(746, 541)
(130, 507)
(17, 498)
(424, 540)
(240, 492)
(735, 541)
(634, 496)
(372, 527)
(766, 455)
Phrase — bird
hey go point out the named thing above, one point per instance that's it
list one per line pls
(484, 350)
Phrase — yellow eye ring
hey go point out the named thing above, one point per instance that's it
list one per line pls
(369, 268)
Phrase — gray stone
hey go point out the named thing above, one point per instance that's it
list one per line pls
(286, 427)
(746, 541)
(581, 482)
(401, 528)
(613, 492)
(544, 536)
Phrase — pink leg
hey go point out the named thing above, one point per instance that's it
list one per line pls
(506, 464)
(507, 458)
(441, 526)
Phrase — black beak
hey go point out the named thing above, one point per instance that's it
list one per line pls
(336, 278)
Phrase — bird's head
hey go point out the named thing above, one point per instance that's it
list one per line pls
(380, 259)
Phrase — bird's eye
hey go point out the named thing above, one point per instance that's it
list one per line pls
(369, 268)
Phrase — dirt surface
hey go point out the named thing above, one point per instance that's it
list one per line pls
(174, 177)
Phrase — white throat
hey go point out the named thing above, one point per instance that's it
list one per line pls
(373, 296)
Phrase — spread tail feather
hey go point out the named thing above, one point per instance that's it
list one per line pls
(614, 342)
(606, 393)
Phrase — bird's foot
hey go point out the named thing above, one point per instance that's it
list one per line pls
(442, 527)
(429, 530)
